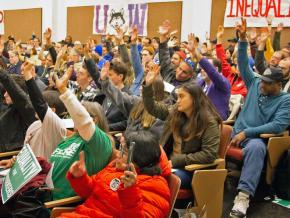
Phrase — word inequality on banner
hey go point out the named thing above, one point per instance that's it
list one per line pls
(256, 12)
(107, 18)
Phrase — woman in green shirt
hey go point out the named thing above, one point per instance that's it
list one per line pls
(91, 137)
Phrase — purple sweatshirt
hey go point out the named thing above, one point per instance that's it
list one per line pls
(219, 90)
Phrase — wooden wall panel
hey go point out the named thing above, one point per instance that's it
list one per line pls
(80, 19)
(22, 23)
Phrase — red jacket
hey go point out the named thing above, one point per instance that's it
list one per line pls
(238, 86)
(148, 198)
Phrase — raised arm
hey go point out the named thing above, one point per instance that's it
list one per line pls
(20, 99)
(40, 106)
(243, 61)
(136, 63)
(220, 52)
(167, 70)
(156, 109)
(82, 120)
(79, 179)
(219, 81)
(277, 37)
(49, 46)
(122, 100)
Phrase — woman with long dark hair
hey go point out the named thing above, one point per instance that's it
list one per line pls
(191, 134)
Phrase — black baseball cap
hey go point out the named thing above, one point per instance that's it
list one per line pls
(272, 74)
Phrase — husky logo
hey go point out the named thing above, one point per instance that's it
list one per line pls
(117, 18)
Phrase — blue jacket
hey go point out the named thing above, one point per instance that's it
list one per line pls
(260, 114)
(138, 70)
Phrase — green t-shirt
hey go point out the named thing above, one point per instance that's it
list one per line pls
(97, 151)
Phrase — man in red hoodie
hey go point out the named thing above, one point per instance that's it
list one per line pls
(139, 192)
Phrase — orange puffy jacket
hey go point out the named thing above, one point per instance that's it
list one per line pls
(148, 198)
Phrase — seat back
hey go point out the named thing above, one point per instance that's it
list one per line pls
(276, 147)
(174, 185)
(208, 186)
(225, 138)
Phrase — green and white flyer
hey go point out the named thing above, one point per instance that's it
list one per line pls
(23, 170)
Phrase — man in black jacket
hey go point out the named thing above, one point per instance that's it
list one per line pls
(17, 116)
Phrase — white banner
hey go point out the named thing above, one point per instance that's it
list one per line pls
(107, 17)
(257, 11)
(1, 22)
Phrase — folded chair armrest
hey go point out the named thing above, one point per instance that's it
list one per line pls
(62, 202)
(9, 153)
(269, 135)
(229, 122)
(218, 163)
(116, 132)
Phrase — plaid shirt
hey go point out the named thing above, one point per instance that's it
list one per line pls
(89, 94)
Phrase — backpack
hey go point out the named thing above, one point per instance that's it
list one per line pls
(281, 182)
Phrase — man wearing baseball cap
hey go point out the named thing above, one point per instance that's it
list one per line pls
(271, 81)
(266, 110)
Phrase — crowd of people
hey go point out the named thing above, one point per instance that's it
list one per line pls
(169, 98)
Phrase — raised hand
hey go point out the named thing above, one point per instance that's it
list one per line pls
(152, 74)
(120, 35)
(269, 20)
(220, 34)
(61, 83)
(253, 35)
(280, 27)
(87, 50)
(78, 168)
(105, 71)
(47, 36)
(134, 34)
(264, 36)
(130, 177)
(164, 30)
(242, 29)
(192, 44)
(62, 52)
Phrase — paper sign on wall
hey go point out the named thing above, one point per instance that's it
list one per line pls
(108, 17)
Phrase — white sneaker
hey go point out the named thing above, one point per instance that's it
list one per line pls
(241, 204)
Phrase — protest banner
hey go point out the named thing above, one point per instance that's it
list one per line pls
(257, 11)
(108, 17)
